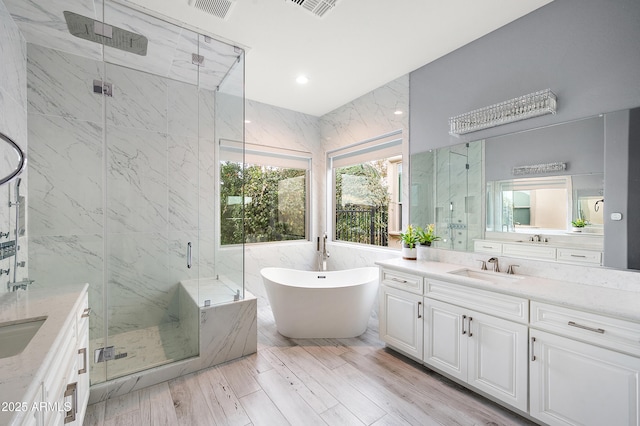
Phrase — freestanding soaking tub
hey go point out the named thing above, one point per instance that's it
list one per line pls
(316, 304)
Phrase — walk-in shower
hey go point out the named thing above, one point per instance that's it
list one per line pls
(123, 178)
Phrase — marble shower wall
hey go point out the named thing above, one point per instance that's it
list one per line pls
(13, 123)
(155, 181)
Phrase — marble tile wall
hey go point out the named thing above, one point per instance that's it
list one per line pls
(150, 173)
(366, 117)
(13, 123)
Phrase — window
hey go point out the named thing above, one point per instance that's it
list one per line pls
(366, 190)
(271, 185)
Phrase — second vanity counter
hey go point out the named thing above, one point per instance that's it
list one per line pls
(554, 351)
(616, 303)
(21, 375)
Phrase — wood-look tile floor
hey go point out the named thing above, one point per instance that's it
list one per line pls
(306, 382)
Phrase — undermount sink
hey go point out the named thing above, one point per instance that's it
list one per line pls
(16, 335)
(493, 277)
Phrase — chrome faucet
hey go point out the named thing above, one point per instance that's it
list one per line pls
(323, 254)
(494, 260)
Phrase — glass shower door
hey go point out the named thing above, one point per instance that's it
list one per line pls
(152, 156)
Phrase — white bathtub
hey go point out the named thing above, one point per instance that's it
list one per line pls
(331, 304)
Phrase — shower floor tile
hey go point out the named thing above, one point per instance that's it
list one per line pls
(145, 348)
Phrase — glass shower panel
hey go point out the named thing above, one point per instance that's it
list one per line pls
(229, 126)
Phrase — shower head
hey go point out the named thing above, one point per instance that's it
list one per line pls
(99, 32)
(18, 181)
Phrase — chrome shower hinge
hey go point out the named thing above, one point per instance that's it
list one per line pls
(197, 59)
(104, 354)
(102, 88)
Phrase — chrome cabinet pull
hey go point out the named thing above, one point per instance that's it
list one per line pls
(83, 352)
(419, 304)
(72, 391)
(470, 319)
(189, 255)
(85, 313)
(398, 280)
(533, 357)
(464, 317)
(578, 255)
(584, 327)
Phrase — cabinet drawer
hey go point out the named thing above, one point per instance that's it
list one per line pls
(489, 247)
(613, 333)
(529, 251)
(407, 282)
(497, 304)
(579, 256)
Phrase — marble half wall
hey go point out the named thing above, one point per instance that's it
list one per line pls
(227, 331)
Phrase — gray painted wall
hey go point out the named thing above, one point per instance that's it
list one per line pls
(579, 143)
(586, 51)
(615, 188)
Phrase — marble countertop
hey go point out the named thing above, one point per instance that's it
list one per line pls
(607, 301)
(21, 374)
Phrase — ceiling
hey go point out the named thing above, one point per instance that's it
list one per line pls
(355, 47)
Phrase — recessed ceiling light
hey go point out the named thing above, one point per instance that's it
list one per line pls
(302, 79)
(247, 121)
(398, 112)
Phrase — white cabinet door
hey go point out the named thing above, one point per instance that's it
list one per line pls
(487, 352)
(497, 358)
(445, 337)
(576, 383)
(401, 324)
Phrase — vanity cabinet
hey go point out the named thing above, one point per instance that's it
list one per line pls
(539, 251)
(483, 350)
(559, 364)
(584, 368)
(66, 383)
(401, 324)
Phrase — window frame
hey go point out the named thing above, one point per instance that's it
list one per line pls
(363, 151)
(287, 158)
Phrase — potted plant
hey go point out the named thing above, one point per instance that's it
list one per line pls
(578, 224)
(409, 240)
(425, 236)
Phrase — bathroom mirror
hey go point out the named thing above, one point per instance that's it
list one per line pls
(12, 159)
(546, 205)
(580, 144)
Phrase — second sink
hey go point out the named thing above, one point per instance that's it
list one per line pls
(15, 336)
(487, 276)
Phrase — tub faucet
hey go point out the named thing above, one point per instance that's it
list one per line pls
(324, 254)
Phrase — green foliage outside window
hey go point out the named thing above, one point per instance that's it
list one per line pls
(274, 203)
(362, 203)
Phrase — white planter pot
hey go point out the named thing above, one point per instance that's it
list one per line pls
(409, 253)
(576, 229)
(423, 252)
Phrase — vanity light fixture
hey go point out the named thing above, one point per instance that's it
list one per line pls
(520, 108)
(540, 168)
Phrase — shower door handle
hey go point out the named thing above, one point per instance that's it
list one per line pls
(189, 255)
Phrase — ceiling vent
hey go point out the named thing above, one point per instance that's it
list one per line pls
(317, 7)
(219, 8)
